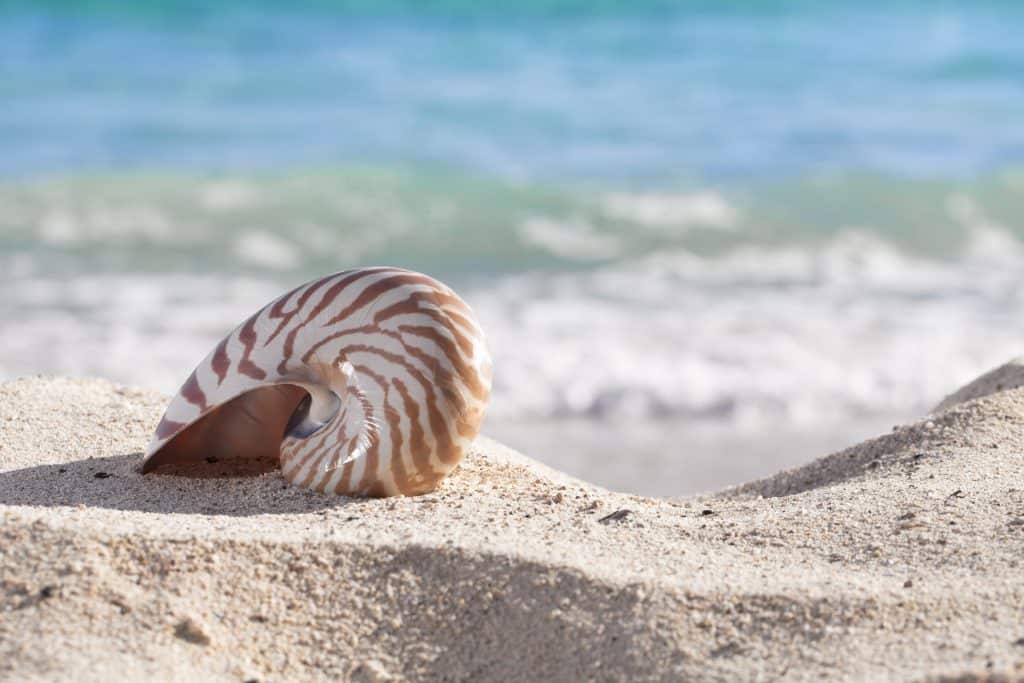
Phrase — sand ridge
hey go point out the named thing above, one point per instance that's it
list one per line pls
(896, 559)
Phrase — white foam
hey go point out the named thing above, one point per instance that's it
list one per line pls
(267, 250)
(675, 212)
(573, 239)
(758, 336)
(852, 328)
(143, 330)
(61, 226)
(228, 195)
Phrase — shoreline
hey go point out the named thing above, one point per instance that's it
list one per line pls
(897, 558)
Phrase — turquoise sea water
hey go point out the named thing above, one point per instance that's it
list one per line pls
(626, 93)
(697, 233)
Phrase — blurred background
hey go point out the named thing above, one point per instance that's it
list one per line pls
(707, 239)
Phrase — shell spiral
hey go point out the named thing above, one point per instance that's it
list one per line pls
(369, 382)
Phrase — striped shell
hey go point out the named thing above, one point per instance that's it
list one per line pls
(370, 382)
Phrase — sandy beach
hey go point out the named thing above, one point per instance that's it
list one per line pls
(896, 559)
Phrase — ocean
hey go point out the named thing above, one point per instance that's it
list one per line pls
(706, 239)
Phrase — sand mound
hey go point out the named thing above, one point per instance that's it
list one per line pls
(1003, 378)
(899, 558)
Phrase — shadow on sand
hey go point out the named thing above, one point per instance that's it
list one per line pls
(115, 482)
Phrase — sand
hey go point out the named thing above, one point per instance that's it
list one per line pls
(897, 559)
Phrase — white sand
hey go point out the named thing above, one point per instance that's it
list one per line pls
(898, 559)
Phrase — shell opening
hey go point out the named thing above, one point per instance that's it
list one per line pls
(314, 412)
(250, 426)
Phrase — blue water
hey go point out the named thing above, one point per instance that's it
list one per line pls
(771, 226)
(635, 93)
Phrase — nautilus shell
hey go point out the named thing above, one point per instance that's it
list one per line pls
(369, 382)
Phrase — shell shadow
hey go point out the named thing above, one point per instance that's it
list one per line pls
(115, 482)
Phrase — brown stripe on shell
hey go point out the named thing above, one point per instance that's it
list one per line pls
(220, 363)
(340, 454)
(462, 322)
(372, 452)
(167, 427)
(247, 335)
(324, 341)
(466, 372)
(192, 392)
(417, 443)
(394, 423)
(374, 292)
(344, 484)
(412, 306)
(278, 312)
(447, 451)
(446, 381)
(335, 290)
(463, 369)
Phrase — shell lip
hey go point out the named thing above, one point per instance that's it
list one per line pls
(248, 426)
